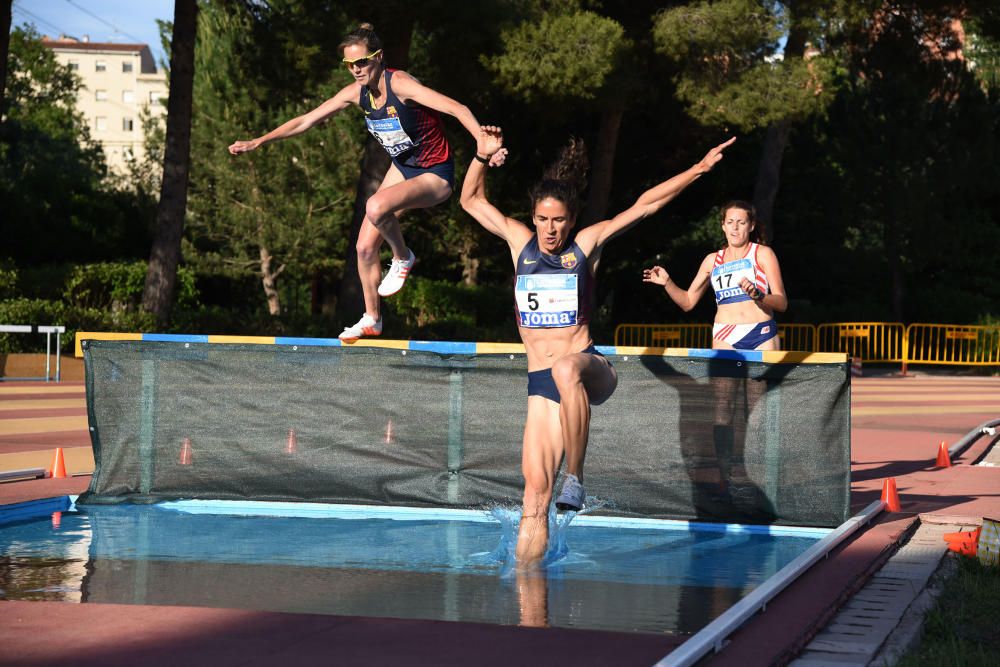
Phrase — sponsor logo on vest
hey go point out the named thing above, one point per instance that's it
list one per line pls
(530, 261)
(391, 110)
(731, 292)
(548, 319)
(568, 260)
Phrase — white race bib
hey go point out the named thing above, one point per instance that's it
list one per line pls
(390, 133)
(547, 300)
(726, 279)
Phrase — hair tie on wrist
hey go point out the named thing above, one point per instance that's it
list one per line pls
(484, 160)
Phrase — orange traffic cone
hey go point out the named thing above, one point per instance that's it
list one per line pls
(292, 444)
(185, 458)
(889, 495)
(943, 457)
(58, 467)
(965, 542)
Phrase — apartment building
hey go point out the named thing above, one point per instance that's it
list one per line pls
(119, 81)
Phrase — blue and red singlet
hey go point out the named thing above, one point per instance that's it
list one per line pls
(553, 290)
(412, 135)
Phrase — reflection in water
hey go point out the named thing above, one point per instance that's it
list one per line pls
(46, 563)
(637, 580)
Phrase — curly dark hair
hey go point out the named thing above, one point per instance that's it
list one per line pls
(564, 180)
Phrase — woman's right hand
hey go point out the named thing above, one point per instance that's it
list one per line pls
(489, 141)
(243, 147)
(657, 275)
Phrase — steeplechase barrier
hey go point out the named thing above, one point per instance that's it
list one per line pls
(754, 437)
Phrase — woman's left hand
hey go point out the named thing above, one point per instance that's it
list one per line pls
(751, 290)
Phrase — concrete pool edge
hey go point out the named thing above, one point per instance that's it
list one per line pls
(713, 636)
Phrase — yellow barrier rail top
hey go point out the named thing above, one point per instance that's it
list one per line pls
(446, 347)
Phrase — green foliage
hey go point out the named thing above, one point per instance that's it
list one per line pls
(8, 280)
(961, 628)
(723, 36)
(563, 56)
(289, 200)
(442, 310)
(55, 200)
(74, 318)
(118, 286)
(729, 69)
(28, 311)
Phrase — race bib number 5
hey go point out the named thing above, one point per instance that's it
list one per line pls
(547, 300)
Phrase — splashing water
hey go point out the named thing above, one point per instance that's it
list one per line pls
(558, 550)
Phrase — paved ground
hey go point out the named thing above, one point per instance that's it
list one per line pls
(898, 423)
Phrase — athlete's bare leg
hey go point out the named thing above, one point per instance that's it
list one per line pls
(580, 378)
(540, 457)
(394, 195)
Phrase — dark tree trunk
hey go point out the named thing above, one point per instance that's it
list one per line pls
(603, 164)
(161, 277)
(269, 280)
(396, 36)
(765, 191)
(5, 12)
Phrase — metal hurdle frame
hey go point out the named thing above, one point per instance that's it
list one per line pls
(58, 330)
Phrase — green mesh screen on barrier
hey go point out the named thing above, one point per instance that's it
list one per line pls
(683, 437)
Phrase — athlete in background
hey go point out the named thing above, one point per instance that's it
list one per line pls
(746, 279)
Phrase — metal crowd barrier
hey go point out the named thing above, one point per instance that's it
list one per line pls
(870, 342)
(48, 331)
(878, 342)
(794, 337)
(664, 335)
(953, 344)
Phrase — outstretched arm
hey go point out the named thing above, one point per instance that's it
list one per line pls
(686, 299)
(300, 124)
(407, 88)
(652, 200)
(489, 147)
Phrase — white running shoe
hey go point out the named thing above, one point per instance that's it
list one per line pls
(366, 326)
(398, 272)
(572, 496)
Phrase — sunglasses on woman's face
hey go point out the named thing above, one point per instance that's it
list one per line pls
(361, 62)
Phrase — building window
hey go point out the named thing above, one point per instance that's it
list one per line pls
(128, 97)
(155, 97)
(101, 66)
(127, 124)
(74, 65)
(100, 95)
(101, 124)
(126, 67)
